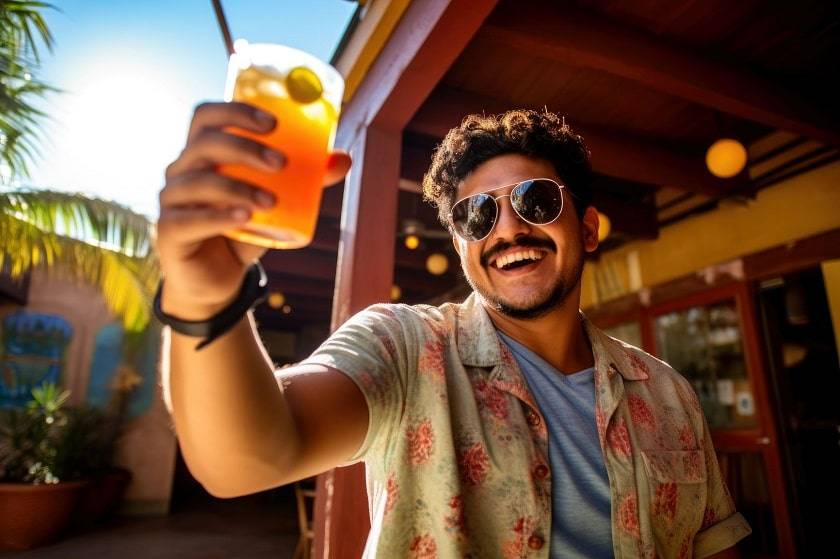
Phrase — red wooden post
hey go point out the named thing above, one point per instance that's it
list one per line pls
(364, 277)
(429, 37)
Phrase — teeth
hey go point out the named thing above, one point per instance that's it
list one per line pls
(506, 259)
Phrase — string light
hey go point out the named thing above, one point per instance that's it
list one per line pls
(437, 264)
(604, 226)
(276, 300)
(726, 158)
(396, 293)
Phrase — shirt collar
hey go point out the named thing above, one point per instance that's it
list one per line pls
(478, 344)
(614, 355)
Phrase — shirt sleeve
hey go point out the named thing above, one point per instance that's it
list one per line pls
(722, 526)
(372, 349)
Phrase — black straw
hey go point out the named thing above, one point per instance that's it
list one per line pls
(223, 25)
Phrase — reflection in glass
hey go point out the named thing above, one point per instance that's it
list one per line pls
(704, 344)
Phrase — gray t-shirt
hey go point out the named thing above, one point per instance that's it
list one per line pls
(581, 525)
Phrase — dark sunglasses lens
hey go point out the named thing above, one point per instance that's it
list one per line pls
(538, 201)
(473, 218)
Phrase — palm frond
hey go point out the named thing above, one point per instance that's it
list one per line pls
(22, 27)
(86, 239)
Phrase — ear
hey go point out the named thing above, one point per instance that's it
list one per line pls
(589, 225)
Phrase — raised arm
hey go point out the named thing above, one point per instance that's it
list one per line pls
(240, 428)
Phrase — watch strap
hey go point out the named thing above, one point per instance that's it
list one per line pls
(253, 291)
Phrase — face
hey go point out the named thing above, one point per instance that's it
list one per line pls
(548, 258)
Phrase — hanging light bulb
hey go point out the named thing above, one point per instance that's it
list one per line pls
(726, 158)
(396, 293)
(286, 309)
(412, 242)
(604, 226)
(437, 264)
(276, 300)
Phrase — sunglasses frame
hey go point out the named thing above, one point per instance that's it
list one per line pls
(495, 199)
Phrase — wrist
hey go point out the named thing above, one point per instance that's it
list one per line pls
(188, 308)
(209, 327)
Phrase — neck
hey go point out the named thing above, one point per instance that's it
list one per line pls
(558, 336)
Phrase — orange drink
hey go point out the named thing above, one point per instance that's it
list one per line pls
(304, 94)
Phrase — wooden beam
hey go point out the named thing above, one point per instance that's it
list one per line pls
(616, 154)
(430, 37)
(794, 256)
(633, 218)
(578, 38)
(305, 263)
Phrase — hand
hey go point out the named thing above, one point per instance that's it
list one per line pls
(203, 270)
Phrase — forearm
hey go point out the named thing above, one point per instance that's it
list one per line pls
(234, 427)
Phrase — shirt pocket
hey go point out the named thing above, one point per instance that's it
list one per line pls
(676, 481)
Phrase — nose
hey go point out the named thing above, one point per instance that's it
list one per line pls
(509, 225)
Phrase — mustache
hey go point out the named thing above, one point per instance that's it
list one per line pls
(523, 242)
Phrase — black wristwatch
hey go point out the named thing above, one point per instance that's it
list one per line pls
(253, 292)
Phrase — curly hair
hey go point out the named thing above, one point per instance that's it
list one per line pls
(479, 138)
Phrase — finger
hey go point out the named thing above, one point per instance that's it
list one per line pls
(338, 165)
(218, 115)
(215, 146)
(211, 188)
(184, 226)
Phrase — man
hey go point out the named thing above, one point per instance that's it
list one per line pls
(507, 426)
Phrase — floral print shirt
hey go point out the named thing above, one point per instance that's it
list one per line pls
(456, 452)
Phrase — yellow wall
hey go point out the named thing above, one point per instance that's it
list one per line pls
(378, 21)
(831, 276)
(797, 208)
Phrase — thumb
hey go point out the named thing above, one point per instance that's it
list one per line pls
(338, 165)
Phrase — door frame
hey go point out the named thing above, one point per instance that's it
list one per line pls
(764, 437)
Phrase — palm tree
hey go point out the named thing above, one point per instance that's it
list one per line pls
(21, 27)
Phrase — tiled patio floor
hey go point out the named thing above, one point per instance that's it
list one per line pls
(252, 527)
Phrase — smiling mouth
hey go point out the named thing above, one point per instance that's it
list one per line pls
(517, 259)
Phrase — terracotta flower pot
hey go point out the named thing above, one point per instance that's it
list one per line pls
(35, 515)
(100, 497)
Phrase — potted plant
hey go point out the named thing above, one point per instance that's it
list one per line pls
(98, 432)
(57, 467)
(36, 500)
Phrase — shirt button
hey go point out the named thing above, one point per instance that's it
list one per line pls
(533, 419)
(535, 542)
(541, 471)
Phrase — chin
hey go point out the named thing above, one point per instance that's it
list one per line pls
(532, 309)
(528, 307)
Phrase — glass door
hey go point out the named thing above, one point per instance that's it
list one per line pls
(711, 339)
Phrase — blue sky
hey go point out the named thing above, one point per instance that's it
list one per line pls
(133, 71)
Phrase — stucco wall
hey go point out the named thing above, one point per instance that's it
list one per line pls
(148, 446)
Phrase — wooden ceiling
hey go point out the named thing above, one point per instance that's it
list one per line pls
(649, 84)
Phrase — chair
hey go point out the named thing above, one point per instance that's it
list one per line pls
(305, 496)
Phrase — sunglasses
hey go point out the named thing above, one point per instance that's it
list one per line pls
(536, 201)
